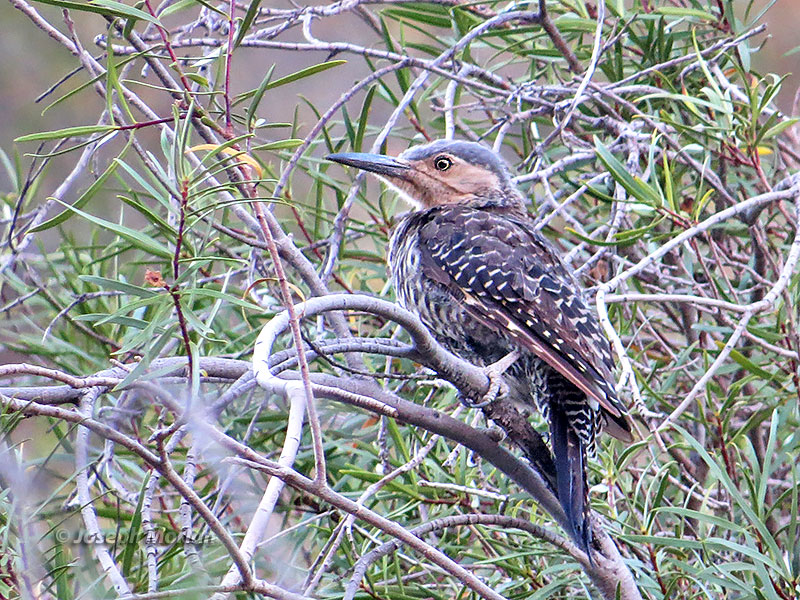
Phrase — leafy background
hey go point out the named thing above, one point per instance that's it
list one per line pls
(160, 257)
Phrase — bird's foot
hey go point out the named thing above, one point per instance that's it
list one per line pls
(497, 387)
(646, 413)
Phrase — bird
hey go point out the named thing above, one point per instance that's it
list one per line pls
(468, 260)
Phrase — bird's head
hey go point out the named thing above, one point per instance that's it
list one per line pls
(442, 172)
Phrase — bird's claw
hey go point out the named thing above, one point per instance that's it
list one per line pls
(646, 413)
(498, 389)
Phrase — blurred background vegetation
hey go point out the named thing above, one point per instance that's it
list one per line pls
(161, 257)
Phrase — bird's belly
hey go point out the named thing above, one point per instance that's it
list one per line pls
(446, 317)
(448, 320)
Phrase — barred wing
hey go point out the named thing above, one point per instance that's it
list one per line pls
(511, 279)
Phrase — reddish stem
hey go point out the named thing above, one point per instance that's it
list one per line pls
(144, 124)
(654, 562)
(228, 61)
(724, 448)
(181, 225)
(174, 57)
(175, 293)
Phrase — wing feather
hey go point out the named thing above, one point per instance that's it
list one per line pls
(511, 279)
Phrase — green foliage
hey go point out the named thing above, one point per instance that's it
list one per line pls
(129, 235)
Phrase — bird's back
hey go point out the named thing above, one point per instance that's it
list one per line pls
(485, 284)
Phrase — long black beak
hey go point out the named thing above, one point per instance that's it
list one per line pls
(380, 164)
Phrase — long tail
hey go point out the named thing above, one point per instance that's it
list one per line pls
(570, 459)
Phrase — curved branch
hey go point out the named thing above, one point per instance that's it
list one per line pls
(608, 572)
(460, 373)
(326, 494)
(506, 522)
(153, 460)
(257, 528)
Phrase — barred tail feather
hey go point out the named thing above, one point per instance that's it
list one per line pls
(570, 460)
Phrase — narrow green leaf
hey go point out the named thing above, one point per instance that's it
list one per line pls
(160, 194)
(701, 517)
(736, 495)
(152, 217)
(409, 491)
(259, 93)
(132, 538)
(398, 440)
(701, 204)
(568, 23)
(124, 10)
(348, 125)
(772, 337)
(134, 305)
(179, 6)
(61, 134)
(419, 17)
(82, 200)
(677, 11)
(87, 7)
(302, 73)
(244, 25)
(629, 235)
(749, 365)
(228, 298)
(668, 191)
(766, 468)
(279, 145)
(198, 79)
(131, 322)
(779, 128)
(363, 119)
(633, 185)
(586, 238)
(58, 574)
(112, 82)
(118, 286)
(138, 373)
(137, 238)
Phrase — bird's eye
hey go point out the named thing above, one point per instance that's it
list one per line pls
(442, 163)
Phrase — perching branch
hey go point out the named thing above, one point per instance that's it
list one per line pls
(469, 379)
